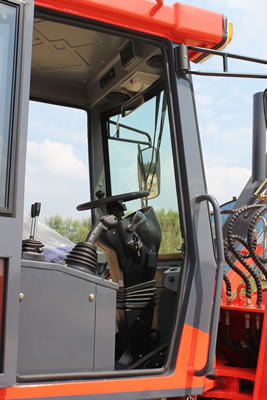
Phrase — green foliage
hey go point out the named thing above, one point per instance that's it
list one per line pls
(77, 230)
(73, 229)
(171, 232)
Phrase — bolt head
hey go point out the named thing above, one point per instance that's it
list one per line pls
(91, 297)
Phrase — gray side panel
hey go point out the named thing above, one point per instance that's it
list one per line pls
(56, 331)
(104, 324)
(67, 321)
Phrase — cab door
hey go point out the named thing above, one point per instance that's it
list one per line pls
(16, 22)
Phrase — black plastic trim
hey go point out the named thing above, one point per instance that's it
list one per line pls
(218, 286)
(9, 209)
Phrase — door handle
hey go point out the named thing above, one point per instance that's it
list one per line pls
(218, 286)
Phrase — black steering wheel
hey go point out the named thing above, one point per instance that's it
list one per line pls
(112, 199)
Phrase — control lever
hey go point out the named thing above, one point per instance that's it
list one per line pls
(35, 212)
(84, 256)
(148, 232)
(138, 219)
(103, 225)
(32, 249)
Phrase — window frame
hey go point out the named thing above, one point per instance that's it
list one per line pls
(9, 207)
(72, 106)
(166, 46)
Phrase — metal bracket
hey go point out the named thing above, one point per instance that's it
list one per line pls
(170, 279)
(182, 63)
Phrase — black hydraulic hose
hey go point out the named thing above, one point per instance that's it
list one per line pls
(258, 261)
(227, 211)
(237, 270)
(233, 346)
(249, 345)
(257, 330)
(232, 238)
(256, 338)
(253, 199)
(250, 348)
(237, 213)
(228, 285)
(244, 242)
(241, 259)
(227, 339)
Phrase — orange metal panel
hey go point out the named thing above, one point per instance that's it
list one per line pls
(2, 288)
(191, 355)
(180, 22)
(261, 372)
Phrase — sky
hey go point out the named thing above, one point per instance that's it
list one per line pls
(225, 104)
(57, 154)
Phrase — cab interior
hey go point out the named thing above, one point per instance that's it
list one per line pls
(78, 320)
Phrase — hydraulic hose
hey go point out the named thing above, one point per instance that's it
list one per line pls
(241, 259)
(251, 247)
(237, 270)
(228, 285)
(257, 259)
(236, 347)
(250, 348)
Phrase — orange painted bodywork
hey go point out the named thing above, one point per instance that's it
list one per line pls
(2, 289)
(191, 355)
(228, 377)
(180, 23)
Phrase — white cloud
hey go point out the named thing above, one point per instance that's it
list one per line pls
(225, 182)
(61, 123)
(56, 178)
(56, 158)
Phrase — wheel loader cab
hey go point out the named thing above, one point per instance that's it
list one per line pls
(76, 320)
(131, 310)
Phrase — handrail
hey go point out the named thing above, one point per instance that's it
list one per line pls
(218, 286)
(225, 56)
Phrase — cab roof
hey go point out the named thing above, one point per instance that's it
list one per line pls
(180, 23)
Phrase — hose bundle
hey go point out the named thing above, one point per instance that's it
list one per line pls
(231, 249)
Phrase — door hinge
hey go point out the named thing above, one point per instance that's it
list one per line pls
(182, 63)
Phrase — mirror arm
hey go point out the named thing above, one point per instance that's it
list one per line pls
(119, 139)
(133, 130)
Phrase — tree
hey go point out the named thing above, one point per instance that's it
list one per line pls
(77, 230)
(73, 229)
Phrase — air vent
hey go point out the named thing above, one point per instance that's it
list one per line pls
(155, 62)
(117, 97)
(107, 78)
(127, 54)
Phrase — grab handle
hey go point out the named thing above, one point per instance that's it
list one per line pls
(218, 286)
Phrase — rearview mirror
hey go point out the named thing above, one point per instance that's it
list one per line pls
(149, 171)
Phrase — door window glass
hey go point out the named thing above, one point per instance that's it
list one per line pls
(145, 134)
(7, 57)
